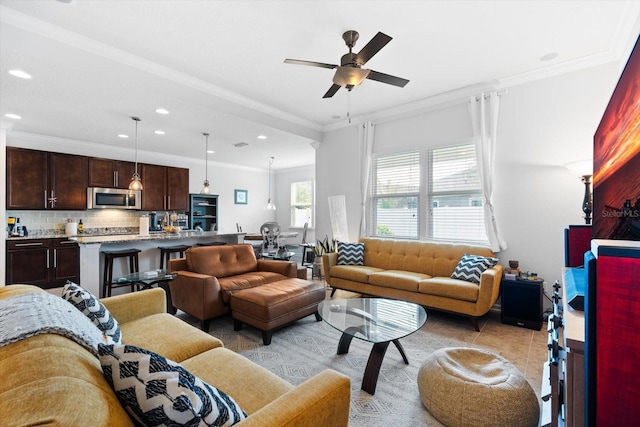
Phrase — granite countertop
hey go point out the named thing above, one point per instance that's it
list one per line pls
(89, 238)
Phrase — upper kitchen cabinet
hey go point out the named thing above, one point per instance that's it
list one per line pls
(43, 180)
(165, 188)
(109, 173)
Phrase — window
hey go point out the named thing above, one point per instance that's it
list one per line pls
(301, 203)
(395, 187)
(455, 195)
(432, 194)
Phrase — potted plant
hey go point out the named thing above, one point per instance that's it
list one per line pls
(322, 247)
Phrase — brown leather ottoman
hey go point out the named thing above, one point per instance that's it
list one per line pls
(270, 306)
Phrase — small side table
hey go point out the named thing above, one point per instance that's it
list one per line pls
(162, 280)
(521, 303)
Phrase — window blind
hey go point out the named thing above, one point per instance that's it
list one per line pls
(395, 192)
(455, 195)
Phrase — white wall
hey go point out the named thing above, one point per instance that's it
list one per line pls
(542, 125)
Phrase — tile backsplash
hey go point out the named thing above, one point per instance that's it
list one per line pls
(53, 222)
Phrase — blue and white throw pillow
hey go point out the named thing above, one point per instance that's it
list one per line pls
(471, 267)
(158, 391)
(350, 253)
(88, 304)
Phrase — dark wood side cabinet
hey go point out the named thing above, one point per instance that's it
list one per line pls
(109, 173)
(521, 303)
(43, 180)
(165, 188)
(47, 263)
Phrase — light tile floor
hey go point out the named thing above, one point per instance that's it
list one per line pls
(525, 348)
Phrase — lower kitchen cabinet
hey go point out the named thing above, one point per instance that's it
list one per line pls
(47, 263)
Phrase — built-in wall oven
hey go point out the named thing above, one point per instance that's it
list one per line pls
(112, 198)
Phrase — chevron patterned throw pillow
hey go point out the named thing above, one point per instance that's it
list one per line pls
(471, 267)
(350, 253)
(158, 391)
(91, 307)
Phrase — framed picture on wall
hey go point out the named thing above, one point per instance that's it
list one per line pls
(240, 197)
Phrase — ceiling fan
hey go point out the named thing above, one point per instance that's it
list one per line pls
(350, 73)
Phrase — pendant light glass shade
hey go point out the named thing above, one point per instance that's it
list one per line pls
(136, 183)
(205, 185)
(270, 206)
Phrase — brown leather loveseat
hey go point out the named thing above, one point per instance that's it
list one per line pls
(208, 275)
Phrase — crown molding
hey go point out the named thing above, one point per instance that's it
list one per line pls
(28, 23)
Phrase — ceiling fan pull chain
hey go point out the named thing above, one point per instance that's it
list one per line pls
(349, 106)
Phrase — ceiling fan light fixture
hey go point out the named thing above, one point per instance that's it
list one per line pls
(350, 76)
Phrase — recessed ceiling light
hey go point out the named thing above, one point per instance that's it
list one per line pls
(162, 111)
(19, 73)
(159, 132)
(123, 136)
(210, 151)
(240, 144)
(13, 116)
(262, 137)
(549, 56)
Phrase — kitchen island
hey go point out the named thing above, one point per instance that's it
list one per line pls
(92, 263)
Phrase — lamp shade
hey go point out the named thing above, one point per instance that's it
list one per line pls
(350, 76)
(580, 167)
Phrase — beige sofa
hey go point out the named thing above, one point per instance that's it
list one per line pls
(419, 272)
(208, 275)
(51, 380)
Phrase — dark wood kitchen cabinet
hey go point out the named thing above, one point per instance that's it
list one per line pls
(43, 180)
(47, 263)
(165, 188)
(109, 173)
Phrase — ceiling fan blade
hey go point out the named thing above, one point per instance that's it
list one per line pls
(375, 44)
(309, 63)
(332, 91)
(386, 78)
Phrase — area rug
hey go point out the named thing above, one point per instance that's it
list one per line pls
(307, 347)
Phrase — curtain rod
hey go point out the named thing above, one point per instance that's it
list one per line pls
(500, 93)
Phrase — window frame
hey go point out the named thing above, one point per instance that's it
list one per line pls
(426, 195)
(293, 204)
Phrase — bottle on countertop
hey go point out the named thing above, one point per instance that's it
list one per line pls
(16, 228)
(80, 227)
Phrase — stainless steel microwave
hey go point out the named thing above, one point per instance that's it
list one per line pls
(112, 198)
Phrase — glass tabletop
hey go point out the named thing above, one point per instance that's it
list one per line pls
(277, 255)
(147, 277)
(375, 320)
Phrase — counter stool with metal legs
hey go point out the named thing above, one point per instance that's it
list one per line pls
(166, 251)
(109, 256)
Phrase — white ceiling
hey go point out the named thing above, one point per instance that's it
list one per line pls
(217, 66)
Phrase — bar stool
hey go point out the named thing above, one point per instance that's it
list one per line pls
(109, 256)
(166, 251)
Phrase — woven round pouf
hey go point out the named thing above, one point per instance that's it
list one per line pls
(471, 387)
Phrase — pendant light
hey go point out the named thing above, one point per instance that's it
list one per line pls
(205, 184)
(270, 206)
(135, 183)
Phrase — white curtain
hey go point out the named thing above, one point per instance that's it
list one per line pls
(366, 148)
(484, 119)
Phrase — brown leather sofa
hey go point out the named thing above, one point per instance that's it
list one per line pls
(208, 275)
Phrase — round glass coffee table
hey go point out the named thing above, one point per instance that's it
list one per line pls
(376, 320)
